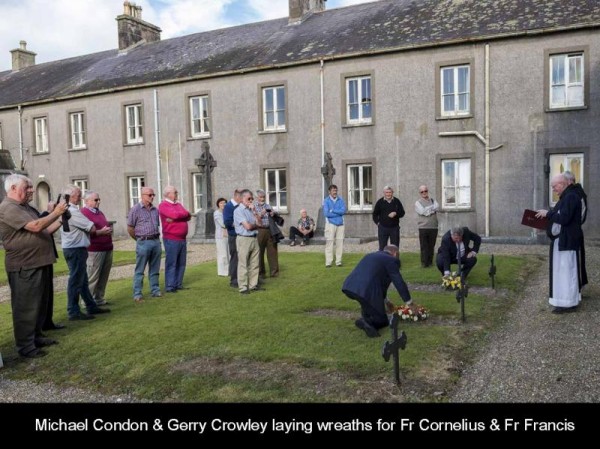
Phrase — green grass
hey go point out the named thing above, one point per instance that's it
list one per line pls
(210, 343)
(60, 267)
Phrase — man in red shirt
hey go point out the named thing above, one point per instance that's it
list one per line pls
(174, 220)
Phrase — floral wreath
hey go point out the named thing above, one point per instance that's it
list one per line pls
(451, 281)
(417, 313)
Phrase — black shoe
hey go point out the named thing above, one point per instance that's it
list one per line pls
(234, 284)
(170, 291)
(54, 327)
(257, 289)
(98, 311)
(34, 354)
(559, 310)
(42, 341)
(182, 288)
(81, 317)
(245, 292)
(369, 330)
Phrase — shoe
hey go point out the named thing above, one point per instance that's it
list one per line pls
(234, 284)
(257, 289)
(138, 299)
(170, 291)
(302, 244)
(244, 292)
(54, 327)
(182, 288)
(98, 311)
(34, 354)
(292, 243)
(559, 310)
(338, 264)
(369, 330)
(41, 342)
(157, 295)
(81, 317)
(102, 303)
(327, 266)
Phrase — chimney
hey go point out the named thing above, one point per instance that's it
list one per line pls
(21, 57)
(301, 9)
(132, 29)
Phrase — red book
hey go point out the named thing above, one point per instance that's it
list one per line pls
(530, 220)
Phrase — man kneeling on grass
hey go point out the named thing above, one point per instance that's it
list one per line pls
(368, 284)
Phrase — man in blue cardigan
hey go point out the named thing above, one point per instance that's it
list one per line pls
(368, 284)
(334, 210)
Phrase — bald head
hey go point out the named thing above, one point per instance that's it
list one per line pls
(559, 183)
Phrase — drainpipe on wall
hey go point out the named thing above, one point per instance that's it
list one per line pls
(487, 139)
(322, 127)
(157, 145)
(21, 156)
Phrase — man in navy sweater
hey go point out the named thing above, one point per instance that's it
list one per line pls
(387, 214)
(230, 207)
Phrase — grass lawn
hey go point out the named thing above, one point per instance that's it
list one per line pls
(60, 267)
(294, 342)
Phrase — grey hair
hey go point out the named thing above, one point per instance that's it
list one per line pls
(391, 249)
(167, 189)
(260, 192)
(70, 189)
(570, 177)
(457, 230)
(388, 188)
(89, 193)
(14, 180)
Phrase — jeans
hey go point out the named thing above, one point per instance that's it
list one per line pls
(147, 252)
(78, 281)
(176, 257)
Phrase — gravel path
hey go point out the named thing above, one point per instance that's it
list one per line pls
(534, 356)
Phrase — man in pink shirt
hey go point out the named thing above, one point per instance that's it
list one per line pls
(174, 220)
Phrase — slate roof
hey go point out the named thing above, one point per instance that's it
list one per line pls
(385, 25)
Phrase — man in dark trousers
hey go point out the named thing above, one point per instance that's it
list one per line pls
(454, 242)
(230, 207)
(387, 214)
(368, 284)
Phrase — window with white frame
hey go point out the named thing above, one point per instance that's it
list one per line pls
(560, 163)
(456, 183)
(77, 123)
(276, 188)
(199, 121)
(1, 147)
(455, 94)
(566, 80)
(41, 134)
(198, 187)
(273, 108)
(358, 100)
(83, 186)
(360, 187)
(135, 184)
(133, 122)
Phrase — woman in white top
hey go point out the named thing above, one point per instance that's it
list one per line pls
(221, 239)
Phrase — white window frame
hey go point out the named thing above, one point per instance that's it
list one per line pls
(202, 119)
(83, 185)
(279, 192)
(362, 102)
(1, 147)
(364, 191)
(561, 162)
(573, 89)
(134, 131)
(41, 135)
(198, 181)
(77, 122)
(461, 184)
(277, 109)
(135, 183)
(454, 91)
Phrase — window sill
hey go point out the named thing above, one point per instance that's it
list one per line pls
(133, 144)
(457, 210)
(567, 108)
(78, 149)
(454, 117)
(357, 125)
(40, 153)
(272, 131)
(201, 137)
(358, 212)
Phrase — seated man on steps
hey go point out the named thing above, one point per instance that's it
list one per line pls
(305, 229)
(368, 284)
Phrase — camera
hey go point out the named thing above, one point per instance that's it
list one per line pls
(67, 214)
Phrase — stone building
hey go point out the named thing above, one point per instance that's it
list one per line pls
(483, 100)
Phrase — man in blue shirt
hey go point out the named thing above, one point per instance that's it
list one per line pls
(334, 210)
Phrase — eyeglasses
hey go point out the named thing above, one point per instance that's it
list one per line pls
(97, 200)
(423, 191)
(150, 194)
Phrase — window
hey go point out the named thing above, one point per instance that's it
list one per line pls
(83, 186)
(276, 188)
(41, 134)
(273, 100)
(455, 93)
(456, 184)
(560, 163)
(566, 80)
(360, 187)
(135, 184)
(198, 187)
(358, 100)
(1, 147)
(199, 121)
(77, 130)
(133, 124)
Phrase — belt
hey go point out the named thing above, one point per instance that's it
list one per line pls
(147, 237)
(249, 236)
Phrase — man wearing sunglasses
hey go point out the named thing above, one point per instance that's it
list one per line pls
(427, 222)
